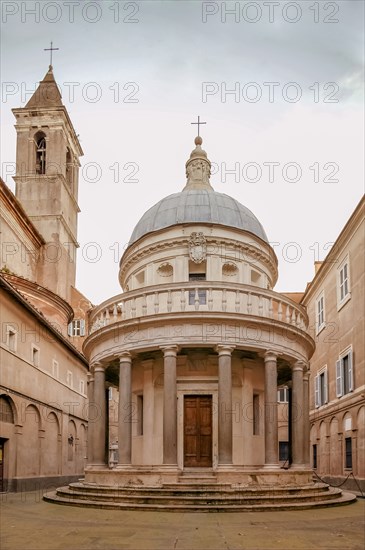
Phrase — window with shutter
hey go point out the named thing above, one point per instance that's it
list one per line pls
(339, 380)
(344, 374)
(321, 388)
(316, 390)
(76, 328)
(343, 283)
(320, 313)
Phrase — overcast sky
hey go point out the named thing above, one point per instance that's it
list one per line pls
(134, 75)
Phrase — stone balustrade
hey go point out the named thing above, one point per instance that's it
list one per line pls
(204, 297)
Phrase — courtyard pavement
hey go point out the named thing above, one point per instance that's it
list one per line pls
(28, 523)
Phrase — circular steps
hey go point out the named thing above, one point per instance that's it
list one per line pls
(184, 497)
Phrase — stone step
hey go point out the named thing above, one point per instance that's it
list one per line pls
(203, 499)
(193, 489)
(342, 499)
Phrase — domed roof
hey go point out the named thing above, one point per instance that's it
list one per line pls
(201, 206)
(198, 203)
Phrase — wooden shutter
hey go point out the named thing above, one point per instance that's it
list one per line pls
(339, 378)
(351, 381)
(316, 390)
(325, 385)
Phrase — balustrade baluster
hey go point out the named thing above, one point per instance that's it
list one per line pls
(224, 300)
(182, 299)
(144, 304)
(115, 312)
(210, 299)
(271, 309)
(261, 306)
(122, 309)
(106, 317)
(280, 311)
(133, 308)
(249, 302)
(237, 301)
(287, 315)
(197, 301)
(157, 304)
(169, 301)
(293, 317)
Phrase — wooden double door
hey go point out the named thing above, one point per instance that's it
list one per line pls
(197, 431)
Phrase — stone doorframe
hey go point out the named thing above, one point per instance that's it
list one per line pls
(194, 387)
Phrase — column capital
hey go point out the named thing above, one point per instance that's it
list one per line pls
(299, 366)
(270, 355)
(223, 349)
(97, 366)
(170, 351)
(125, 357)
(306, 375)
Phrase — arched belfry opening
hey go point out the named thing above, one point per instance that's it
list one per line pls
(41, 146)
(69, 168)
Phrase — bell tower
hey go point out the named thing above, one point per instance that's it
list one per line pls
(47, 171)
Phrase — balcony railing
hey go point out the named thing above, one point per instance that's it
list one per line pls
(205, 296)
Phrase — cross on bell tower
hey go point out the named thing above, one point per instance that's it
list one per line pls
(51, 50)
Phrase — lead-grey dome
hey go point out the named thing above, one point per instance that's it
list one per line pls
(201, 206)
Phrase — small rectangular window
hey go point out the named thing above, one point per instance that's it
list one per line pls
(348, 452)
(11, 338)
(197, 295)
(321, 388)
(69, 378)
(110, 393)
(76, 328)
(344, 374)
(35, 355)
(343, 282)
(55, 370)
(256, 414)
(283, 395)
(139, 414)
(320, 314)
(314, 450)
(284, 450)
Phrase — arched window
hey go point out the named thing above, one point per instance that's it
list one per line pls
(6, 413)
(40, 142)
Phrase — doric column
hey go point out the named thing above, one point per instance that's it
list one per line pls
(271, 411)
(170, 406)
(248, 409)
(91, 419)
(225, 404)
(99, 427)
(298, 415)
(125, 409)
(306, 430)
(148, 410)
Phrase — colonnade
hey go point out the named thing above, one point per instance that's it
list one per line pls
(299, 419)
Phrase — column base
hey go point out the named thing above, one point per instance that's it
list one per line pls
(298, 467)
(274, 466)
(123, 467)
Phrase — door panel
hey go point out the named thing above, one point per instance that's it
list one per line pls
(198, 431)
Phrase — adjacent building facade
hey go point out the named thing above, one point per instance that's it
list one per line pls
(43, 383)
(335, 304)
